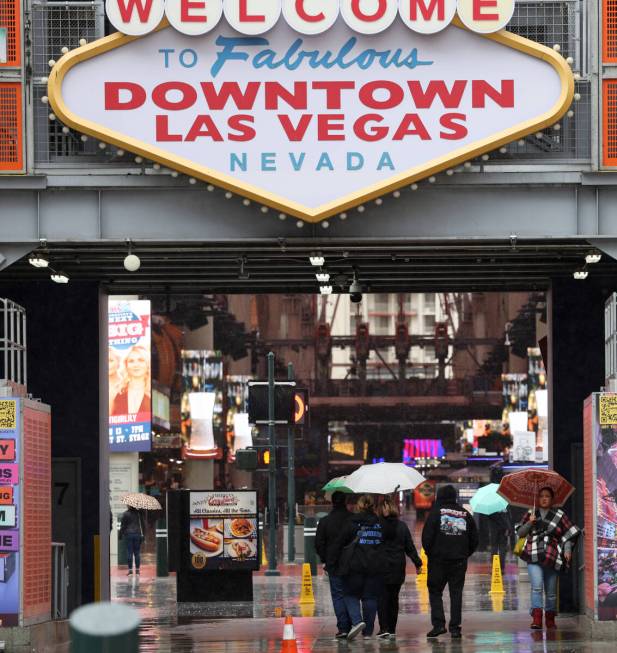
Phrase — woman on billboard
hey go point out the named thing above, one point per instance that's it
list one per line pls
(134, 396)
(115, 377)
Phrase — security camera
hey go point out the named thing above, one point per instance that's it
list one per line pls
(355, 292)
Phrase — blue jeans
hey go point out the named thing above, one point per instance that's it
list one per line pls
(543, 581)
(343, 622)
(361, 596)
(133, 545)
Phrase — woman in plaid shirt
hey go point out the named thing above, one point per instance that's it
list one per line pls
(549, 540)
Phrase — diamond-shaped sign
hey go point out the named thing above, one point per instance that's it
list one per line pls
(311, 125)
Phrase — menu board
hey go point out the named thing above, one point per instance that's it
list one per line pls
(9, 511)
(223, 531)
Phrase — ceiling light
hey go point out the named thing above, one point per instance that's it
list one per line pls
(131, 262)
(59, 277)
(38, 260)
(325, 290)
(317, 260)
(323, 277)
(593, 257)
(580, 274)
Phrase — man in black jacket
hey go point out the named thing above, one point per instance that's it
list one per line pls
(329, 530)
(449, 538)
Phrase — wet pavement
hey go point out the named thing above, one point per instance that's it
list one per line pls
(492, 624)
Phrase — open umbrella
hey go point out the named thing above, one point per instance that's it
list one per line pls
(486, 501)
(337, 484)
(383, 478)
(521, 488)
(140, 501)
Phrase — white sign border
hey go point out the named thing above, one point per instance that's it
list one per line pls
(275, 201)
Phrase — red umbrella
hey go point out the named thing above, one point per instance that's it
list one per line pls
(521, 488)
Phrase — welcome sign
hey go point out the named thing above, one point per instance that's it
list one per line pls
(310, 116)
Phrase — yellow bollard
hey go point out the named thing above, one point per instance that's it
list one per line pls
(306, 593)
(422, 576)
(264, 557)
(496, 577)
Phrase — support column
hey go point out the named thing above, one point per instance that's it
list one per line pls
(576, 368)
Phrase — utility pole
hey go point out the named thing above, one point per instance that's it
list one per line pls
(272, 570)
(291, 484)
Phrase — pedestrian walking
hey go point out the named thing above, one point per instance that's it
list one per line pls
(329, 531)
(549, 539)
(449, 538)
(132, 532)
(359, 552)
(398, 543)
(499, 529)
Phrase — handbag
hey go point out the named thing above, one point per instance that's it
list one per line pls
(519, 547)
(344, 563)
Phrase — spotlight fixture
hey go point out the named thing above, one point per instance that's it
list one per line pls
(593, 257)
(580, 274)
(322, 277)
(325, 290)
(59, 277)
(132, 262)
(355, 290)
(317, 259)
(38, 260)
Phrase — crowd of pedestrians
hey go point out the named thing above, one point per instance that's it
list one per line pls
(364, 552)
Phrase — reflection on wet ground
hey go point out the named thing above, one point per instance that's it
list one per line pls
(491, 624)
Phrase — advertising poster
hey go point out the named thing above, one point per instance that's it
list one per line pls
(424, 495)
(202, 403)
(9, 512)
(606, 501)
(223, 531)
(130, 391)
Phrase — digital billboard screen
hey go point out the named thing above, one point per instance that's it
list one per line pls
(129, 369)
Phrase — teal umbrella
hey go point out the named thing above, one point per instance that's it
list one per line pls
(486, 501)
(337, 485)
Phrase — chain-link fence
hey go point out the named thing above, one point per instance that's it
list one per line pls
(551, 22)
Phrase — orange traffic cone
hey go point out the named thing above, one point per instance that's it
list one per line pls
(289, 637)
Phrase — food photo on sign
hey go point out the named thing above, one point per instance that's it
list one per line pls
(129, 370)
(311, 116)
(228, 537)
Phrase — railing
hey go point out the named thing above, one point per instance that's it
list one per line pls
(13, 353)
(59, 581)
(551, 22)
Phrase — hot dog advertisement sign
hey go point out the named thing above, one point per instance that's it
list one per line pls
(223, 531)
(310, 107)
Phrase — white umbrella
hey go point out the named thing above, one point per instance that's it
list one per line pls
(383, 478)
